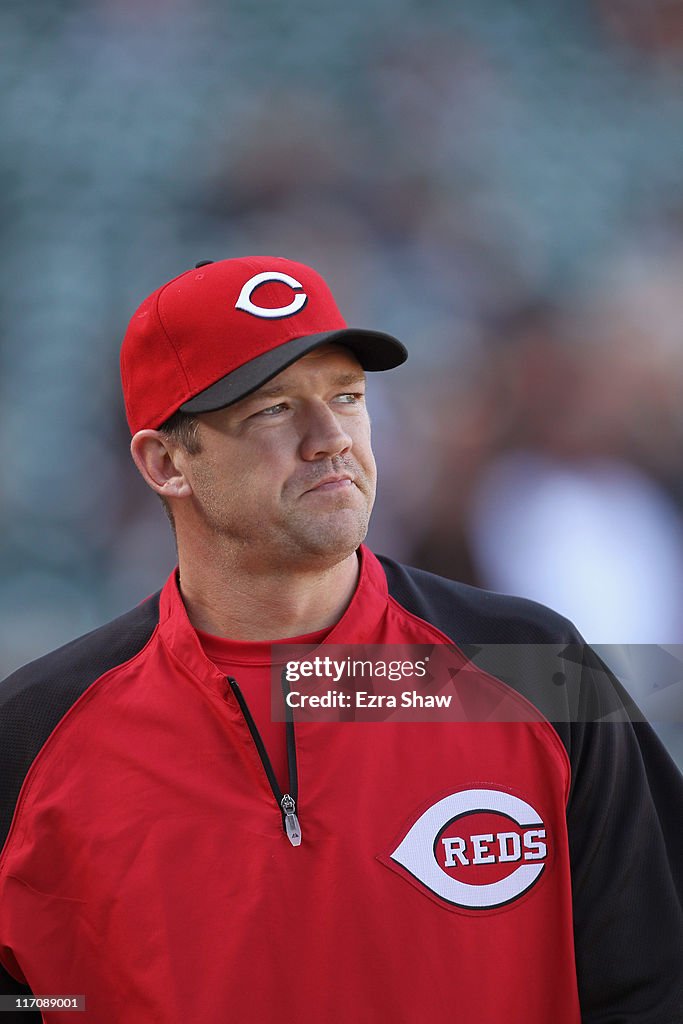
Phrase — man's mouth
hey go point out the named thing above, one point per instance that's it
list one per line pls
(333, 482)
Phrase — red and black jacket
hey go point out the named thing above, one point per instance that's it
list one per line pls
(528, 869)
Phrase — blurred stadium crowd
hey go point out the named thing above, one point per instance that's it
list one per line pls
(500, 184)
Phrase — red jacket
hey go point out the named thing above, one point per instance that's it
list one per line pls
(444, 870)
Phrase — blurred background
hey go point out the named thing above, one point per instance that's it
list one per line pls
(499, 184)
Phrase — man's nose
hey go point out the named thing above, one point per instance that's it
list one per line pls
(323, 434)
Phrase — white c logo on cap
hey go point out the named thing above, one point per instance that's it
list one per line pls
(244, 301)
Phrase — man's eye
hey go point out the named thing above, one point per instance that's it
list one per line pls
(272, 410)
(351, 397)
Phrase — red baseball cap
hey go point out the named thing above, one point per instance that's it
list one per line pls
(216, 333)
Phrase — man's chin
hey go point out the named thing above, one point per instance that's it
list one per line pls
(332, 538)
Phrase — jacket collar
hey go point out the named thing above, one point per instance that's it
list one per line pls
(359, 623)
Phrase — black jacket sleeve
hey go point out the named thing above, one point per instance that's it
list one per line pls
(10, 987)
(33, 701)
(625, 819)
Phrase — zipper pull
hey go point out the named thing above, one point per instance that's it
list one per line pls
(292, 826)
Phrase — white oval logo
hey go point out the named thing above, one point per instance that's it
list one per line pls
(244, 301)
(477, 849)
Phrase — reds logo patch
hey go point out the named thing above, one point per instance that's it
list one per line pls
(246, 303)
(477, 849)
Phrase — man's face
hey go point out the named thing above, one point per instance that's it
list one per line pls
(287, 474)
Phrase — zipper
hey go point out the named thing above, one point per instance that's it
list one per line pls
(285, 801)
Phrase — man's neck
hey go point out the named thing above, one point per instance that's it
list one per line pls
(269, 605)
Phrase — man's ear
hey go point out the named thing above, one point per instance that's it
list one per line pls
(158, 463)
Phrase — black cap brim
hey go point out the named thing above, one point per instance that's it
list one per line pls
(373, 349)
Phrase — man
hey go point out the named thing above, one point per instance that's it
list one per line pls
(174, 854)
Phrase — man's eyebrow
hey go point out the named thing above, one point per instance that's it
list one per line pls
(267, 391)
(345, 380)
(342, 380)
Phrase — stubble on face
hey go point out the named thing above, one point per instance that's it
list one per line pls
(300, 532)
(268, 517)
(341, 525)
